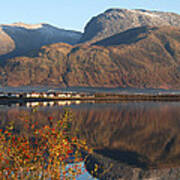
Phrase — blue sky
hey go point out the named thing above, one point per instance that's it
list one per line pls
(72, 14)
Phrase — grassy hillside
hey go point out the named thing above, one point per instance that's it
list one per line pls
(144, 57)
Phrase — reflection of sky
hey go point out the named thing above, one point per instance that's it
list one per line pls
(84, 176)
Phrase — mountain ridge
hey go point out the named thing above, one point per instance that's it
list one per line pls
(149, 58)
(144, 55)
(17, 39)
(114, 21)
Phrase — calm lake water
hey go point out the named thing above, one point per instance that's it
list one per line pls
(131, 140)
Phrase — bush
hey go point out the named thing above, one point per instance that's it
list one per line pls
(43, 154)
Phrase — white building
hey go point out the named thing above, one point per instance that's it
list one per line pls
(64, 95)
(32, 95)
(51, 95)
(76, 95)
(35, 95)
(2, 94)
(44, 95)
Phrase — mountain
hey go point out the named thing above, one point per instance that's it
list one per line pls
(114, 21)
(19, 38)
(143, 57)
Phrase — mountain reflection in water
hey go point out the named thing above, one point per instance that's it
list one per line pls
(130, 139)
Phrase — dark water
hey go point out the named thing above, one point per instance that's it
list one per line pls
(131, 140)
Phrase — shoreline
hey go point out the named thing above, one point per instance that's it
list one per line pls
(96, 97)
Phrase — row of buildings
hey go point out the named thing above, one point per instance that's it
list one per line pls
(52, 95)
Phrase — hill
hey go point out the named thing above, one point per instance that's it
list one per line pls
(144, 57)
(19, 38)
(114, 21)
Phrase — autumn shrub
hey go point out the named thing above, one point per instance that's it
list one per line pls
(44, 153)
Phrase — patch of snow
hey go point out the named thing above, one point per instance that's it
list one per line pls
(27, 26)
(149, 14)
(143, 13)
(42, 28)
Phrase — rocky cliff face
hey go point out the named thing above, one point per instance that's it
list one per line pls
(18, 39)
(114, 21)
